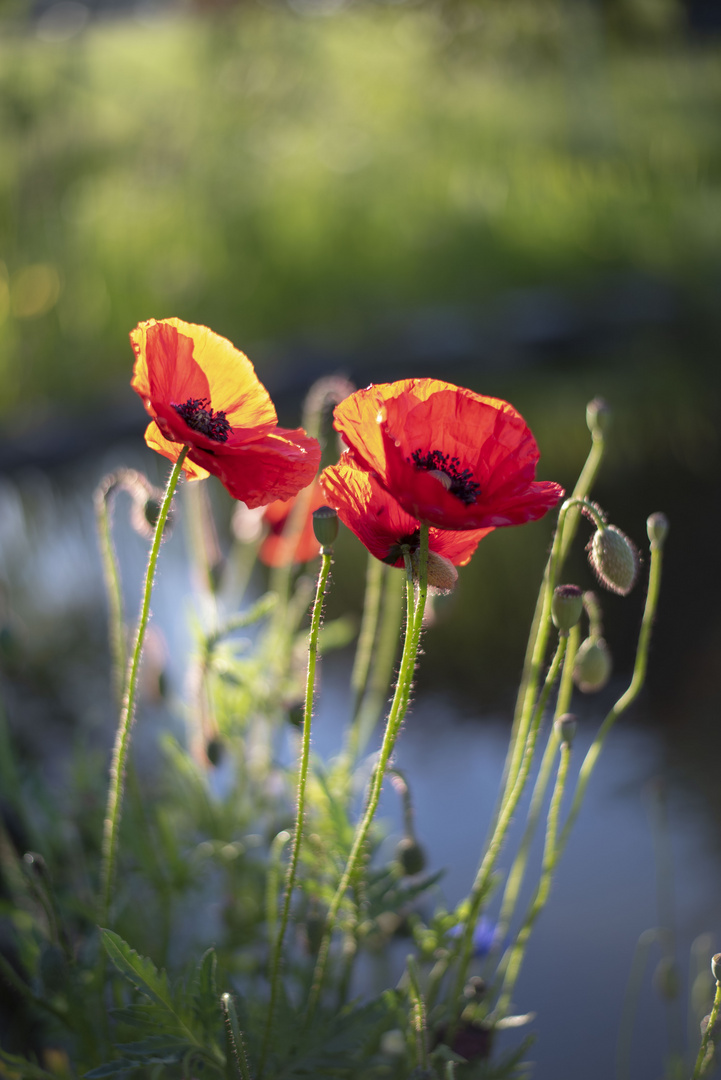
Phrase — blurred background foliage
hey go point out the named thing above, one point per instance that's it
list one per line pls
(521, 196)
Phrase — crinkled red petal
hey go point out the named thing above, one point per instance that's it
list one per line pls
(277, 466)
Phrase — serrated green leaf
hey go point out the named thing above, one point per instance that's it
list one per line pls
(157, 1048)
(206, 1004)
(143, 974)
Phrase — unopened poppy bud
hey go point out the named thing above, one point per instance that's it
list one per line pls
(598, 417)
(325, 525)
(615, 559)
(716, 967)
(215, 751)
(410, 856)
(592, 668)
(566, 607)
(566, 728)
(442, 574)
(475, 988)
(657, 528)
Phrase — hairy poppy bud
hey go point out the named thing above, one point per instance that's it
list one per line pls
(410, 856)
(325, 526)
(716, 966)
(615, 559)
(566, 607)
(442, 574)
(566, 728)
(598, 417)
(657, 528)
(592, 668)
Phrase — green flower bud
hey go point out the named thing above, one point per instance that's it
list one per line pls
(598, 417)
(592, 668)
(410, 856)
(566, 728)
(566, 607)
(657, 528)
(325, 526)
(615, 559)
(716, 966)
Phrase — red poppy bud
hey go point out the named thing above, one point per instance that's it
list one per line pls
(615, 559)
(592, 668)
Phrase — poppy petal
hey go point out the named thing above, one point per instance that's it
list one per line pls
(274, 467)
(171, 450)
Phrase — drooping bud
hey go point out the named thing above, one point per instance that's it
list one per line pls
(566, 607)
(566, 728)
(410, 856)
(442, 574)
(592, 668)
(657, 528)
(615, 559)
(325, 526)
(598, 417)
(716, 967)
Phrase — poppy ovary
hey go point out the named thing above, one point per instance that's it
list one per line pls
(200, 417)
(447, 470)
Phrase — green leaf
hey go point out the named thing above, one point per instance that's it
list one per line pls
(157, 1048)
(112, 1068)
(143, 974)
(206, 1004)
(22, 1068)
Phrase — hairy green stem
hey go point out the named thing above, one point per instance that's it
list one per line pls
(237, 1060)
(472, 906)
(626, 699)
(395, 719)
(300, 802)
(375, 576)
(702, 1061)
(127, 713)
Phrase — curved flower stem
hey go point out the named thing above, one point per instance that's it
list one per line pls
(395, 719)
(300, 804)
(518, 870)
(700, 1066)
(550, 861)
(127, 713)
(531, 665)
(634, 688)
(103, 496)
(472, 906)
(540, 634)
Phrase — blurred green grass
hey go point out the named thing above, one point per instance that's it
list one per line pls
(277, 176)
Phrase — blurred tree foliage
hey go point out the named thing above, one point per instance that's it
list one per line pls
(273, 173)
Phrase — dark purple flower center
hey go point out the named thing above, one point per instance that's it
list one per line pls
(198, 415)
(412, 540)
(448, 471)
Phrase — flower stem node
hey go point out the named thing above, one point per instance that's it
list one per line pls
(410, 856)
(716, 967)
(566, 728)
(592, 668)
(598, 417)
(325, 526)
(615, 559)
(566, 607)
(657, 528)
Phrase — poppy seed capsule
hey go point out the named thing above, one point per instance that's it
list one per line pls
(614, 559)
(325, 526)
(566, 607)
(592, 668)
(566, 728)
(657, 528)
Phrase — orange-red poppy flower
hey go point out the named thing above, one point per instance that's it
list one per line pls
(452, 458)
(381, 523)
(290, 539)
(202, 392)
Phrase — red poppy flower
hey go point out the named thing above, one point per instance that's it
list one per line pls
(291, 541)
(202, 392)
(381, 523)
(450, 457)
